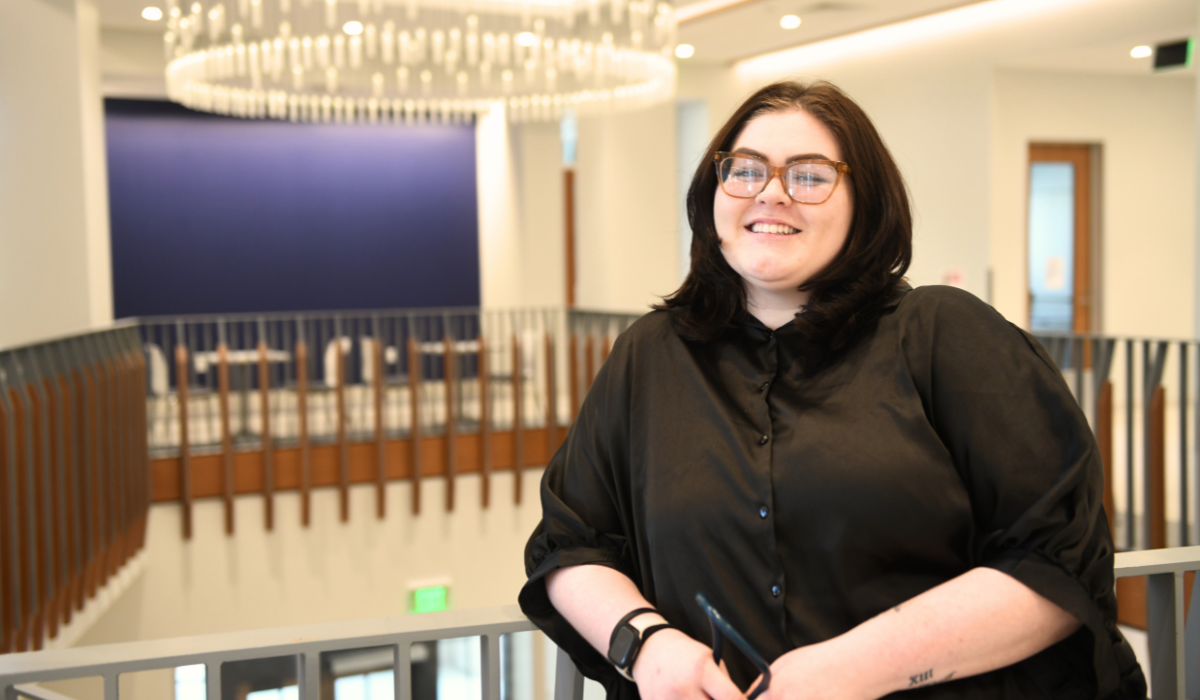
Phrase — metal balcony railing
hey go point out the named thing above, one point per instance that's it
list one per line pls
(1174, 645)
(21, 674)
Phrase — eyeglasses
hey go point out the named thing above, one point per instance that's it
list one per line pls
(721, 629)
(805, 181)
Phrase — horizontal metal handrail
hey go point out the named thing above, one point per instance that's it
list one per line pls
(304, 642)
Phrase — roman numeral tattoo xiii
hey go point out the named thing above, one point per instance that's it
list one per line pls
(926, 678)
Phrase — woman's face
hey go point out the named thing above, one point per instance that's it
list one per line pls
(776, 244)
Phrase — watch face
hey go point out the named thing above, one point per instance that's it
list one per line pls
(624, 643)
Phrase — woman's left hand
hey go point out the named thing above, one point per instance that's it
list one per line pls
(817, 672)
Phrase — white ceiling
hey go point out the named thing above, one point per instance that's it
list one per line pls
(132, 46)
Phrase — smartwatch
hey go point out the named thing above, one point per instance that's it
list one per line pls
(626, 641)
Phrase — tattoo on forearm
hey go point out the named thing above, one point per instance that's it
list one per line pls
(926, 678)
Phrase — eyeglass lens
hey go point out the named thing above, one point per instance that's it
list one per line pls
(808, 183)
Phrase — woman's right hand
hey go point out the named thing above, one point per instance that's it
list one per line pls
(673, 666)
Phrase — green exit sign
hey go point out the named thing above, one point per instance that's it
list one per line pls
(429, 599)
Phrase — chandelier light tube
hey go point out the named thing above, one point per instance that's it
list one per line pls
(410, 61)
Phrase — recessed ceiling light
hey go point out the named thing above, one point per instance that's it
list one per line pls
(685, 50)
(1141, 52)
(789, 22)
(352, 28)
(527, 39)
(152, 13)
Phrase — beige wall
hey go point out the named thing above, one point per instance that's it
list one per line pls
(1146, 130)
(53, 188)
(626, 226)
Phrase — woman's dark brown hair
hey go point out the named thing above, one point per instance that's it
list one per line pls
(851, 293)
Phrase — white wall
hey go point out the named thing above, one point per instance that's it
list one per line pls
(53, 189)
(1146, 128)
(626, 239)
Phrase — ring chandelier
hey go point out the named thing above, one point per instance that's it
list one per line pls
(384, 61)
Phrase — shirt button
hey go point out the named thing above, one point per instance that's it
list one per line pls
(764, 386)
(762, 512)
(763, 440)
(775, 591)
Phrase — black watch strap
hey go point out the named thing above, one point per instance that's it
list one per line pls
(629, 616)
(626, 641)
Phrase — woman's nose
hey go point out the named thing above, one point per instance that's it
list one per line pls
(774, 192)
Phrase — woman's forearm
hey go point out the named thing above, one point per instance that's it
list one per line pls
(977, 622)
(594, 598)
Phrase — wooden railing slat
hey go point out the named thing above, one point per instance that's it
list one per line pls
(302, 429)
(414, 431)
(485, 424)
(226, 435)
(182, 382)
(379, 389)
(343, 457)
(264, 393)
(449, 377)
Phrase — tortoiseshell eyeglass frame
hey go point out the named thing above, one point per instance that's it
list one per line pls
(773, 172)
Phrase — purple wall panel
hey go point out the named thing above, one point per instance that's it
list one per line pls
(217, 215)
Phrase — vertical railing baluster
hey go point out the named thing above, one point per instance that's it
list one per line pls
(1153, 424)
(573, 366)
(551, 394)
(449, 378)
(310, 675)
(489, 650)
(182, 379)
(264, 394)
(302, 423)
(1195, 524)
(379, 386)
(1131, 531)
(402, 671)
(339, 371)
(414, 431)
(485, 421)
(10, 584)
(1183, 444)
(226, 431)
(1166, 635)
(1077, 360)
(212, 680)
(518, 457)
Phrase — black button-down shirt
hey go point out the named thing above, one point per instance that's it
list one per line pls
(803, 505)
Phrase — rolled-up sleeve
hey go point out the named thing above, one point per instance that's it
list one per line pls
(585, 510)
(1030, 464)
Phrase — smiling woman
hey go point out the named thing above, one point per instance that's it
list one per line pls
(880, 488)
